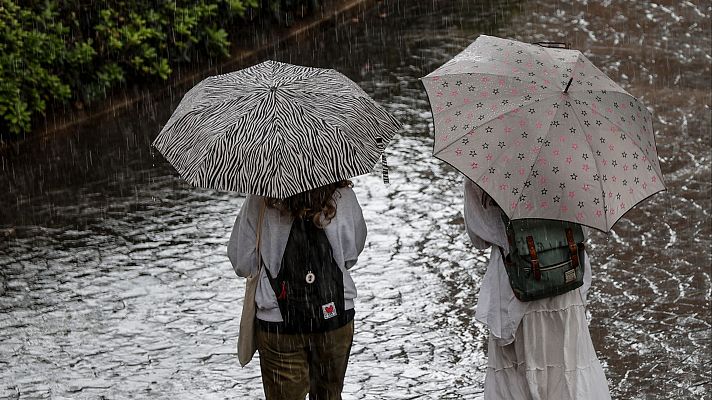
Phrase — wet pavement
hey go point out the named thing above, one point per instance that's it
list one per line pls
(114, 283)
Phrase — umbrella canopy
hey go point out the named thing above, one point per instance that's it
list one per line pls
(275, 130)
(544, 132)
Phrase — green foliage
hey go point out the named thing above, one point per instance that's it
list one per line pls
(32, 55)
(55, 52)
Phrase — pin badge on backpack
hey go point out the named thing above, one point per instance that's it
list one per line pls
(329, 310)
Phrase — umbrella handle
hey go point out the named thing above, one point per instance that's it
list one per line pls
(384, 163)
(553, 45)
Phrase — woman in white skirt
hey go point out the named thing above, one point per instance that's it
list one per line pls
(538, 350)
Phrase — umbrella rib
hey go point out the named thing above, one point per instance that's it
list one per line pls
(214, 140)
(573, 71)
(273, 125)
(274, 105)
(528, 176)
(616, 124)
(608, 119)
(332, 94)
(540, 150)
(553, 62)
(642, 200)
(600, 73)
(603, 91)
(188, 113)
(597, 166)
(394, 127)
(600, 181)
(347, 138)
(205, 106)
(297, 103)
(204, 159)
(195, 110)
(305, 78)
(491, 119)
(218, 138)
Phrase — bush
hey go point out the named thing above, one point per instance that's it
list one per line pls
(58, 52)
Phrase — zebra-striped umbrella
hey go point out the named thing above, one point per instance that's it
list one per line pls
(275, 129)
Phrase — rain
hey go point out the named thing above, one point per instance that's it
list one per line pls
(114, 279)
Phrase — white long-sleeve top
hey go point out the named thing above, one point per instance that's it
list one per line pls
(346, 233)
(497, 307)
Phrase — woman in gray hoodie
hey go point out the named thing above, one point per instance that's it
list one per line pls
(305, 294)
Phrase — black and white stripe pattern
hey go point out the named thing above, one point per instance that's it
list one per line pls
(384, 162)
(275, 130)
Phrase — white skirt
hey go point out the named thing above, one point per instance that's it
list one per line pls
(551, 358)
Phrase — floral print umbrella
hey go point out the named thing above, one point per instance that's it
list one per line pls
(544, 132)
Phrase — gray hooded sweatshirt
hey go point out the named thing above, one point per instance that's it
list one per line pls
(346, 233)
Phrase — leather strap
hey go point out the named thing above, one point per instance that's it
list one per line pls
(534, 258)
(573, 248)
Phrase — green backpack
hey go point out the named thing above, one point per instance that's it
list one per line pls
(545, 258)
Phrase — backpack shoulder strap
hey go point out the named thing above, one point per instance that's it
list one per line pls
(260, 220)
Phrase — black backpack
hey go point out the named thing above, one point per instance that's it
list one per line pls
(310, 285)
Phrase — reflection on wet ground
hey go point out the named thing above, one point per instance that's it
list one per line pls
(114, 281)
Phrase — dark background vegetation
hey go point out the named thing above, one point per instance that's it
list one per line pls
(56, 54)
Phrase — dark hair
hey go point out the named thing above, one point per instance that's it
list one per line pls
(318, 204)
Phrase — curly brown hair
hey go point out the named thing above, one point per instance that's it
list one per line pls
(318, 204)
